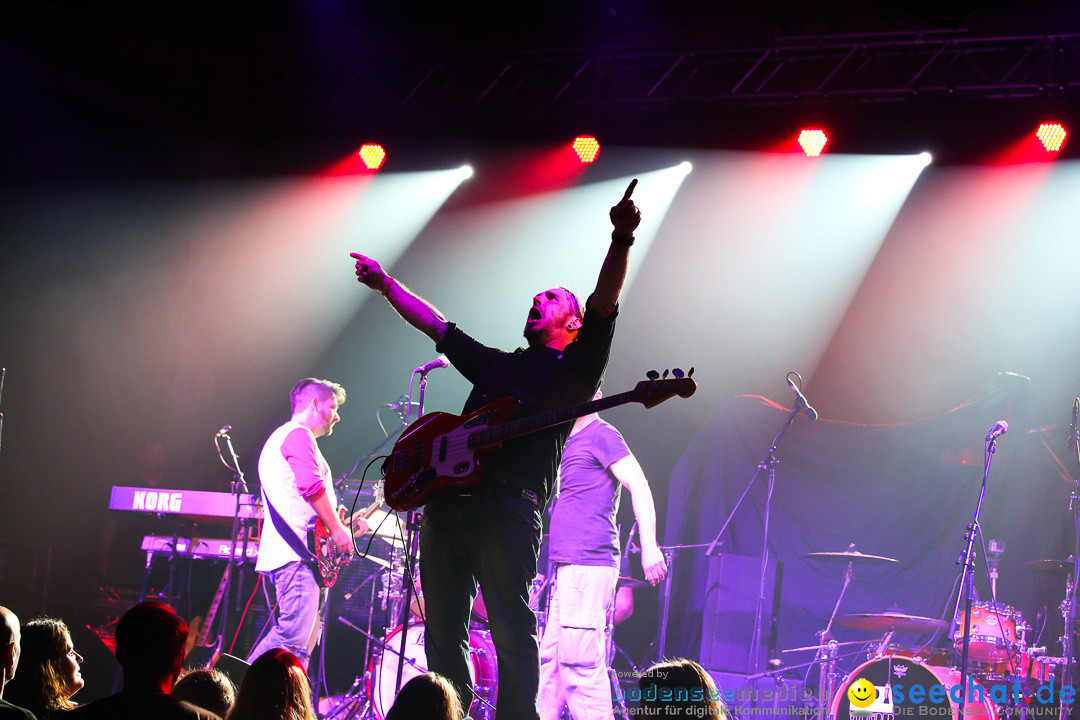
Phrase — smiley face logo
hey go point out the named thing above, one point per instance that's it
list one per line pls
(862, 693)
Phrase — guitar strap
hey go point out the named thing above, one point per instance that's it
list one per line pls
(288, 535)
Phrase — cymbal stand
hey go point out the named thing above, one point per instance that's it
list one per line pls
(1068, 649)
(238, 488)
(767, 463)
(827, 653)
(967, 559)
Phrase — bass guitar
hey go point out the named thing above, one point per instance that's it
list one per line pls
(444, 450)
(328, 559)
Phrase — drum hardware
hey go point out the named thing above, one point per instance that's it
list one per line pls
(826, 656)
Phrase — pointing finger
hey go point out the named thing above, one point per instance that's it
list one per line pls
(629, 190)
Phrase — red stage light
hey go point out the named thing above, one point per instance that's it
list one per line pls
(1051, 135)
(586, 147)
(813, 141)
(372, 155)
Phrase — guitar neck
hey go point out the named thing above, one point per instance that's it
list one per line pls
(523, 426)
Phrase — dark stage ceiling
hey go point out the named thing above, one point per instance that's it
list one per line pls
(892, 76)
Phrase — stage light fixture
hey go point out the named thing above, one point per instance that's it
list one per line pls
(586, 147)
(465, 172)
(686, 167)
(813, 141)
(373, 155)
(1051, 135)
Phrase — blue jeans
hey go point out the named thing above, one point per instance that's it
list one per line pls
(298, 623)
(491, 538)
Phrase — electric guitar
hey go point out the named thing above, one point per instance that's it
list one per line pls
(443, 450)
(328, 559)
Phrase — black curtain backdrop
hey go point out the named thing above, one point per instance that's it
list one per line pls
(902, 491)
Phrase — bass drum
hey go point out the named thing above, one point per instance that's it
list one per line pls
(885, 688)
(483, 671)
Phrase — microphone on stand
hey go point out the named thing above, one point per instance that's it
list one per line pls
(439, 362)
(800, 400)
(224, 431)
(1000, 428)
(401, 404)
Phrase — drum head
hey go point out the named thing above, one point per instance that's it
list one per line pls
(904, 688)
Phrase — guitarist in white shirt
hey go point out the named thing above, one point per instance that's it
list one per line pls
(489, 533)
(297, 484)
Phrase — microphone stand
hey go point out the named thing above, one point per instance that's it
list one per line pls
(412, 542)
(967, 559)
(767, 463)
(238, 488)
(1068, 649)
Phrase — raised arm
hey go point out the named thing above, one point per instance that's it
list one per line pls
(416, 311)
(625, 218)
(628, 472)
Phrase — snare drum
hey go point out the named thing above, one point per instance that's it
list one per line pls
(902, 687)
(993, 632)
(483, 671)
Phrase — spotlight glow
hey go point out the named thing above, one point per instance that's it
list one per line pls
(586, 147)
(1051, 135)
(925, 158)
(686, 167)
(813, 141)
(372, 155)
(465, 172)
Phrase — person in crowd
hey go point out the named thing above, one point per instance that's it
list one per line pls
(209, 689)
(429, 696)
(275, 687)
(9, 660)
(150, 639)
(487, 534)
(49, 672)
(680, 688)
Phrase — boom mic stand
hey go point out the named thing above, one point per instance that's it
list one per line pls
(239, 489)
(767, 463)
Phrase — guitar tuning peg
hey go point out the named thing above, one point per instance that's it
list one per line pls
(665, 374)
(652, 375)
(678, 373)
(691, 373)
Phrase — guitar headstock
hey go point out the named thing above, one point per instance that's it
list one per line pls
(656, 390)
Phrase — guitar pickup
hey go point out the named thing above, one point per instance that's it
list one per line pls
(442, 448)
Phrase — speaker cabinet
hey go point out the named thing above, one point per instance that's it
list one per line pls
(727, 624)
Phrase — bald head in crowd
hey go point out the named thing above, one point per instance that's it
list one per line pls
(9, 641)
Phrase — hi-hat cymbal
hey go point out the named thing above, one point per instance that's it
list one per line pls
(884, 622)
(386, 526)
(1055, 568)
(851, 555)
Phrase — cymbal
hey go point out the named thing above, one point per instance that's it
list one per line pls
(851, 555)
(1055, 568)
(375, 559)
(386, 526)
(884, 622)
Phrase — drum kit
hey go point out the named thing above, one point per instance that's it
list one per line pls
(1006, 671)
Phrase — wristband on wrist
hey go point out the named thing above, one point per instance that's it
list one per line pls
(387, 285)
(621, 239)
